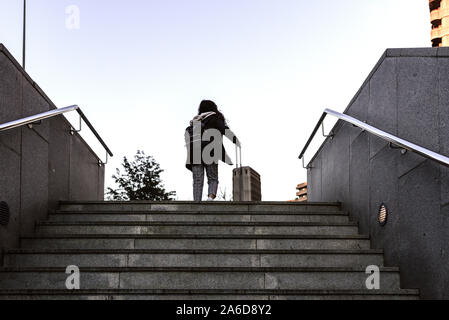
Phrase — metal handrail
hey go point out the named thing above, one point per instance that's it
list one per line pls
(401, 143)
(53, 113)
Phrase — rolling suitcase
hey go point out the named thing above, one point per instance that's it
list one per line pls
(245, 181)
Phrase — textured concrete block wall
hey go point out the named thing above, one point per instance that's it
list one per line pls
(407, 94)
(42, 165)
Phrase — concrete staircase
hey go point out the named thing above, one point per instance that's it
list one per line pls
(185, 250)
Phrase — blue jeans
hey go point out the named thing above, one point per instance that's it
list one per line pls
(198, 180)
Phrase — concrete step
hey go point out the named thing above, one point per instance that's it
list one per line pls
(200, 278)
(198, 207)
(209, 295)
(283, 228)
(92, 216)
(195, 242)
(193, 258)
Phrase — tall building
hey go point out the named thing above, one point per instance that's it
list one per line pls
(439, 17)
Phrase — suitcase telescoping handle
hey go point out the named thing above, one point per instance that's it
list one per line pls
(238, 155)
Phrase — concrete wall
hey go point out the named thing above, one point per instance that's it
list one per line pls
(407, 94)
(39, 166)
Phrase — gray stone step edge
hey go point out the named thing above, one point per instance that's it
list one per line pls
(198, 269)
(192, 236)
(196, 206)
(136, 292)
(198, 224)
(198, 252)
(204, 213)
(204, 203)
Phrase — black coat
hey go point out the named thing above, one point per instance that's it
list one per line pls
(212, 122)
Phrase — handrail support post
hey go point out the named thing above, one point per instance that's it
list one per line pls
(35, 123)
(304, 164)
(73, 130)
(403, 150)
(101, 163)
(330, 135)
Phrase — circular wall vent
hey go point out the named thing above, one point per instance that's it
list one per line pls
(383, 215)
(4, 213)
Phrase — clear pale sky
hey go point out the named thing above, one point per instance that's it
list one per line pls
(139, 69)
